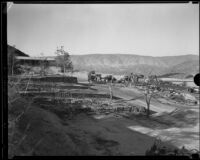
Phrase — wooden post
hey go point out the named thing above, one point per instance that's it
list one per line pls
(111, 93)
(12, 64)
(148, 96)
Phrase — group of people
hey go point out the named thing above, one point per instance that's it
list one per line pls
(128, 79)
(93, 77)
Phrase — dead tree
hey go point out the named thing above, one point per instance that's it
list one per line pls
(148, 96)
(43, 66)
(149, 93)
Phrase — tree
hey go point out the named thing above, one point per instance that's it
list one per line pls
(63, 59)
(149, 93)
(148, 96)
(43, 65)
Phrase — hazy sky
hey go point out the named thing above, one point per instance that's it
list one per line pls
(143, 29)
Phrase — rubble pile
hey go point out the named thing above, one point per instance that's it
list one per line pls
(90, 105)
(104, 106)
(159, 149)
(183, 97)
(60, 108)
(177, 96)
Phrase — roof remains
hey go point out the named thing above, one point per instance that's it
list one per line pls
(35, 58)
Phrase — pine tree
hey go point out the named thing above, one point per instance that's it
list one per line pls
(63, 59)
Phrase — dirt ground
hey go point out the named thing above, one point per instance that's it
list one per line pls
(54, 130)
(80, 134)
(175, 122)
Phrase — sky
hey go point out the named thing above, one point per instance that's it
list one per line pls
(142, 29)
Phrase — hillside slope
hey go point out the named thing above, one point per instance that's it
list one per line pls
(187, 68)
(17, 52)
(120, 64)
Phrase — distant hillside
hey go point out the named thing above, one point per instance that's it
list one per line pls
(175, 60)
(16, 51)
(120, 64)
(185, 69)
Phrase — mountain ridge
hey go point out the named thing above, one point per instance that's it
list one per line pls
(127, 63)
(133, 63)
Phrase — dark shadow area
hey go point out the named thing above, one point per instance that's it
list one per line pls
(52, 79)
(123, 100)
(73, 95)
(48, 85)
(38, 87)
